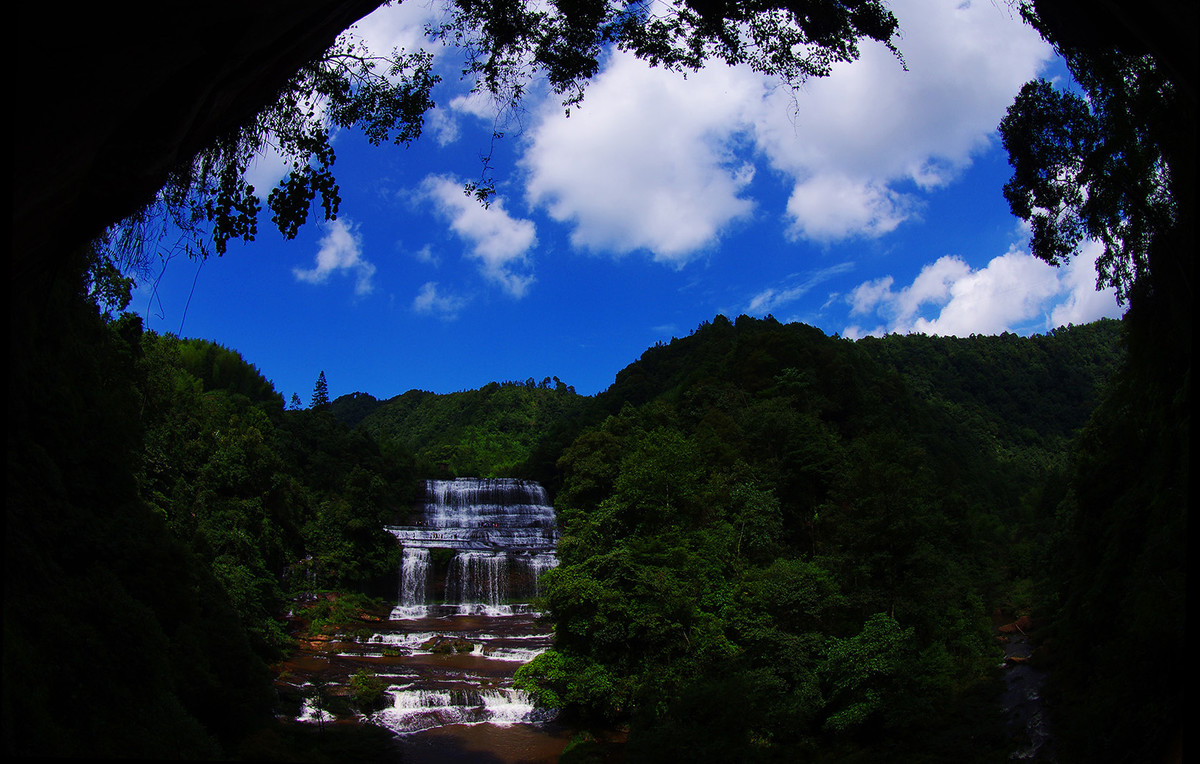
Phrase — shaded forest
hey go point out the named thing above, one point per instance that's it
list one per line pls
(810, 530)
(815, 532)
(814, 529)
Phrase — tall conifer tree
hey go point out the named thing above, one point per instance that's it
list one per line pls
(320, 396)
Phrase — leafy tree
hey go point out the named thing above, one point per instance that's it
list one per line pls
(319, 696)
(1118, 164)
(367, 691)
(507, 43)
(107, 286)
(863, 672)
(385, 97)
(1074, 179)
(755, 514)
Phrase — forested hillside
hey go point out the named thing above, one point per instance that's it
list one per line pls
(487, 432)
(812, 531)
(146, 587)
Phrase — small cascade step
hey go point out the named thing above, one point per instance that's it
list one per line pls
(416, 709)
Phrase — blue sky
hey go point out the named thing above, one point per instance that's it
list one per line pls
(864, 203)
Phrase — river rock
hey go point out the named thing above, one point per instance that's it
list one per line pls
(444, 644)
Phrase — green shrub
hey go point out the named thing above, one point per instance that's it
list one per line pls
(367, 691)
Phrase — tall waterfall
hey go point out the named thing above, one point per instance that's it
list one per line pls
(475, 546)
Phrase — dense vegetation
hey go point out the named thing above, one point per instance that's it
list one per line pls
(814, 528)
(488, 432)
(814, 532)
(148, 566)
(1115, 162)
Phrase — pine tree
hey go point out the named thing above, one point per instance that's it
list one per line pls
(320, 396)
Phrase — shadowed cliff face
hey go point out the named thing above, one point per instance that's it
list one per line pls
(111, 96)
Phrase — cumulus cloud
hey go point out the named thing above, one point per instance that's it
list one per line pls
(1084, 302)
(833, 206)
(649, 161)
(340, 252)
(398, 26)
(867, 138)
(499, 242)
(1014, 291)
(430, 300)
(657, 163)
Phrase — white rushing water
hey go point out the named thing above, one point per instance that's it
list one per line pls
(414, 710)
(497, 537)
(473, 554)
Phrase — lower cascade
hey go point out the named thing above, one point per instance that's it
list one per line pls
(473, 554)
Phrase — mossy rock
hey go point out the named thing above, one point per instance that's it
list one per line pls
(443, 644)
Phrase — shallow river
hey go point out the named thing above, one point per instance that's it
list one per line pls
(443, 706)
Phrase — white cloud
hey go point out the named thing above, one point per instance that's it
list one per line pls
(855, 332)
(1083, 302)
(1012, 289)
(429, 300)
(266, 169)
(658, 163)
(398, 25)
(444, 127)
(831, 206)
(426, 255)
(648, 162)
(481, 106)
(340, 251)
(499, 242)
(873, 133)
(867, 296)
(1013, 292)
(792, 289)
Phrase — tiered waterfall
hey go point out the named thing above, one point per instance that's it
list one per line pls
(475, 546)
(473, 552)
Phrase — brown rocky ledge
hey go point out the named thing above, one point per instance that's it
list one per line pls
(1022, 625)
